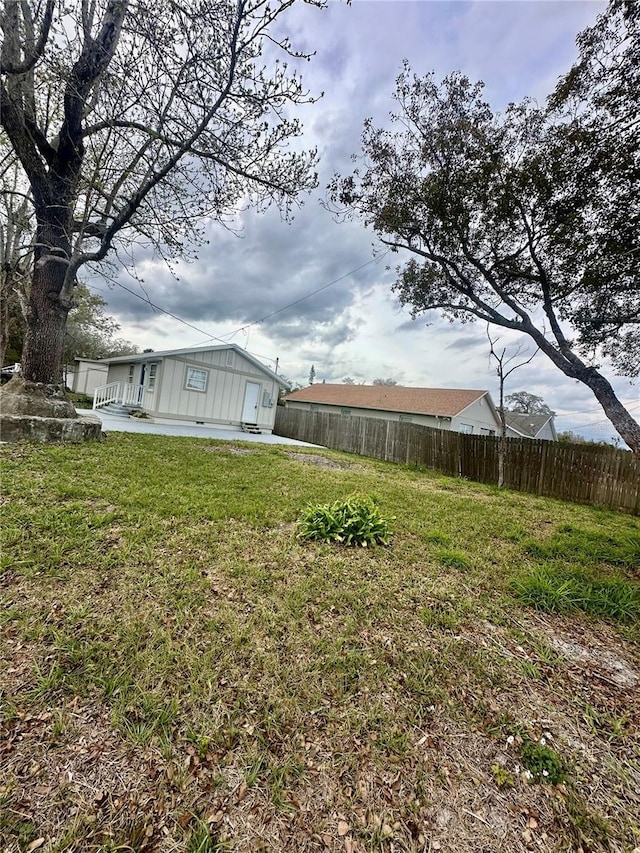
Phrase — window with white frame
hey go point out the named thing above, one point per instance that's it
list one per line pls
(132, 369)
(230, 359)
(153, 372)
(196, 379)
(485, 431)
(466, 428)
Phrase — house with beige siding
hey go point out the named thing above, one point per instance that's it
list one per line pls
(88, 374)
(222, 386)
(457, 409)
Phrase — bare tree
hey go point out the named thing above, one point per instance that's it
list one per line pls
(135, 123)
(504, 371)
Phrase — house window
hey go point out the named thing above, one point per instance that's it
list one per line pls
(404, 419)
(132, 369)
(345, 412)
(315, 407)
(153, 371)
(230, 354)
(484, 431)
(466, 428)
(196, 379)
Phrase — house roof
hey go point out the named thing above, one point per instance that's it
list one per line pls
(445, 402)
(527, 425)
(158, 356)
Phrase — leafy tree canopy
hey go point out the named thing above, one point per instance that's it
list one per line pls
(527, 219)
(90, 333)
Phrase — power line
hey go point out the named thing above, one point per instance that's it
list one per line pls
(307, 296)
(210, 337)
(593, 412)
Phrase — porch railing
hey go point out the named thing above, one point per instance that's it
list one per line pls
(125, 393)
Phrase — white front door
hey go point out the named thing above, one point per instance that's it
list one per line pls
(251, 399)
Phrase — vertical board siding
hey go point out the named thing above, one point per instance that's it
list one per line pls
(580, 473)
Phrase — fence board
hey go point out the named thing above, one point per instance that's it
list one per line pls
(580, 473)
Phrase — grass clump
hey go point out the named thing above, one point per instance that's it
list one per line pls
(586, 546)
(453, 559)
(557, 590)
(355, 521)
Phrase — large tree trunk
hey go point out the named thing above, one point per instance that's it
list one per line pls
(628, 428)
(571, 365)
(42, 354)
(44, 338)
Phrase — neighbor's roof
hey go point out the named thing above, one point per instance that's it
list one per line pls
(445, 402)
(158, 356)
(527, 425)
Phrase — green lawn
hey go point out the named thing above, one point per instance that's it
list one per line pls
(184, 673)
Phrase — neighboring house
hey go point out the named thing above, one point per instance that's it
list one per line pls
(217, 385)
(520, 425)
(88, 374)
(444, 408)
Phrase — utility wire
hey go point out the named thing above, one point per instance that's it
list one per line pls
(307, 295)
(210, 337)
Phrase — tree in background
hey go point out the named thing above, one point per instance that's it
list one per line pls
(90, 333)
(525, 220)
(16, 252)
(134, 124)
(568, 436)
(312, 375)
(527, 404)
(384, 382)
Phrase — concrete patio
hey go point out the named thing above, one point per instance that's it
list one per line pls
(112, 423)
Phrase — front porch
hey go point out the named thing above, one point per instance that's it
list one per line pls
(124, 394)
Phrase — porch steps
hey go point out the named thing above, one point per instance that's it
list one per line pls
(252, 428)
(117, 410)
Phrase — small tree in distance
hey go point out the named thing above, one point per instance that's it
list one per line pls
(527, 404)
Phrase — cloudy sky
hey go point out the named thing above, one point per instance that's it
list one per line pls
(353, 326)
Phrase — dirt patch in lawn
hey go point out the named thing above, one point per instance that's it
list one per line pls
(229, 448)
(322, 461)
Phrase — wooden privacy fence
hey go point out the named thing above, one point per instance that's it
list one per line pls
(575, 472)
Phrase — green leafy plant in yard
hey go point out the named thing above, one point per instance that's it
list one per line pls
(543, 763)
(355, 520)
(557, 590)
(503, 778)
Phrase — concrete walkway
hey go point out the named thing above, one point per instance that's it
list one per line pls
(115, 424)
